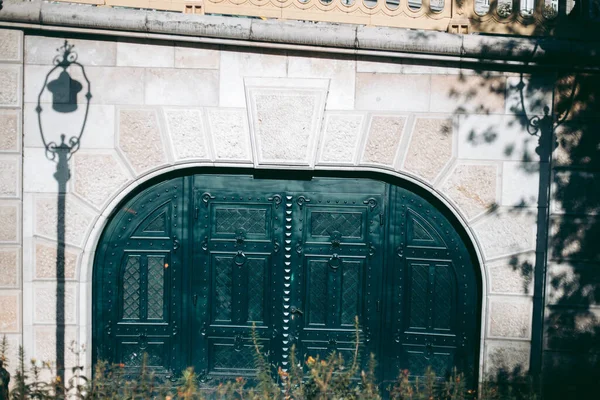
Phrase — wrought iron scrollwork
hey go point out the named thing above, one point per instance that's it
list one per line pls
(206, 197)
(371, 202)
(276, 199)
(301, 200)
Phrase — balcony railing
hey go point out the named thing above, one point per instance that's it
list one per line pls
(563, 18)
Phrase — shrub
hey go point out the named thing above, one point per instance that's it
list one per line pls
(310, 379)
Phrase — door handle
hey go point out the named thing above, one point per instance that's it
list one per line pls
(195, 299)
(296, 310)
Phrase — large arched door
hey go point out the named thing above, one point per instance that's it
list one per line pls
(186, 268)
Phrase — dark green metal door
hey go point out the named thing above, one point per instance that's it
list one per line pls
(138, 278)
(187, 267)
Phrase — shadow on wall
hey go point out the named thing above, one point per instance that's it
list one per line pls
(565, 358)
(64, 91)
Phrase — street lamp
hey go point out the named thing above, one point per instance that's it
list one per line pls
(64, 90)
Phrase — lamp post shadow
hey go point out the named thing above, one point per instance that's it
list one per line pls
(64, 91)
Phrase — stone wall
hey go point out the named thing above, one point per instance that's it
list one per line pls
(571, 337)
(159, 106)
(11, 272)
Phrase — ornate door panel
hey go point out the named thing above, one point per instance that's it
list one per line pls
(432, 291)
(235, 278)
(188, 266)
(139, 290)
(337, 271)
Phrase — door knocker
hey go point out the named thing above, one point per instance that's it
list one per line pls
(240, 258)
(335, 262)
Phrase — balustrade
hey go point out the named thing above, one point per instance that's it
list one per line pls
(564, 18)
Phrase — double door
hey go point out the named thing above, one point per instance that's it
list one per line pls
(190, 270)
(294, 266)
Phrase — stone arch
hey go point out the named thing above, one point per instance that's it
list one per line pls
(438, 199)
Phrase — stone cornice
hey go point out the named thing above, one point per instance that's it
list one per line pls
(298, 35)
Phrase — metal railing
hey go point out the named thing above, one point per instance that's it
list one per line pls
(564, 18)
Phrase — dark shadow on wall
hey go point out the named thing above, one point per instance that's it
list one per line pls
(64, 94)
(565, 357)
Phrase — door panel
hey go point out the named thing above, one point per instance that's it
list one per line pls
(236, 252)
(138, 291)
(338, 274)
(431, 308)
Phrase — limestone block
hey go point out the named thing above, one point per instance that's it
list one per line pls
(182, 87)
(513, 275)
(142, 53)
(77, 219)
(392, 66)
(10, 176)
(11, 45)
(44, 300)
(110, 85)
(11, 362)
(506, 356)
(45, 257)
(341, 137)
(188, 136)
(9, 266)
(528, 95)
(495, 137)
(42, 50)
(237, 64)
(468, 94)
(34, 78)
(473, 187)
(506, 232)
(10, 132)
(572, 284)
(576, 192)
(384, 135)
(285, 120)
(387, 92)
(10, 85)
(99, 132)
(574, 146)
(45, 344)
(340, 70)
(230, 133)
(140, 139)
(574, 238)
(521, 183)
(193, 56)
(572, 328)
(97, 176)
(9, 215)
(10, 320)
(510, 317)
(430, 148)
(38, 172)
(45, 260)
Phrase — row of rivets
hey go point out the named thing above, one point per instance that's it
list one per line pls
(287, 277)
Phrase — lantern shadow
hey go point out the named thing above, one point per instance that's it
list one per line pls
(65, 91)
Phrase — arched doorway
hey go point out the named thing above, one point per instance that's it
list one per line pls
(187, 265)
